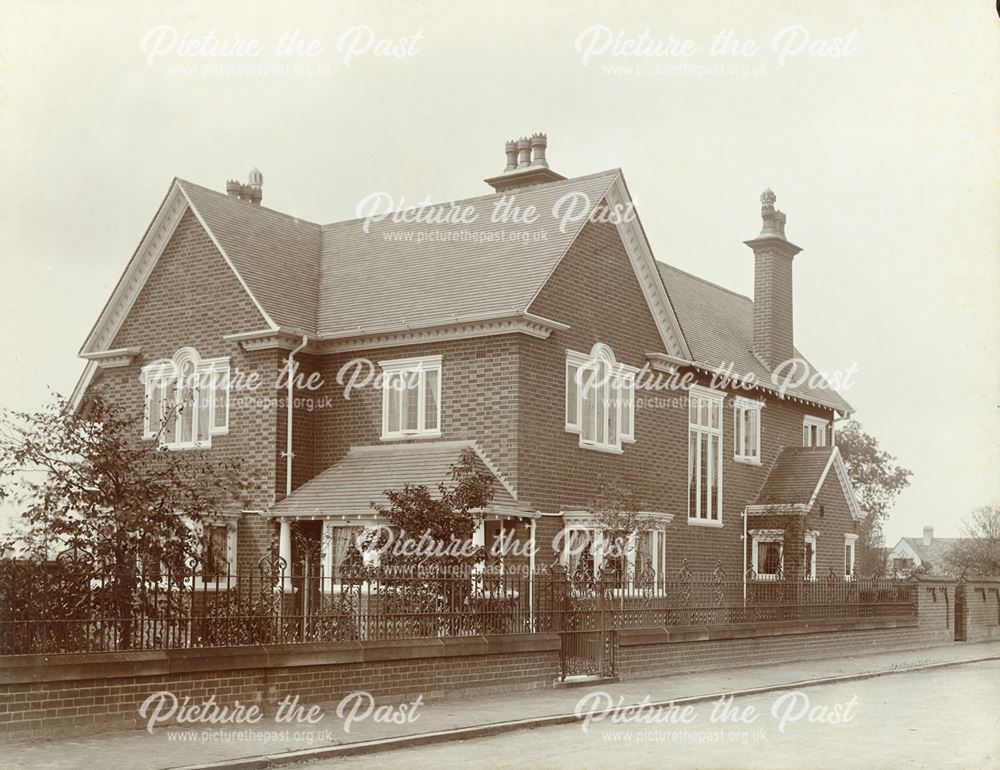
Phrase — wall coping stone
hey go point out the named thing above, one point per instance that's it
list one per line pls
(632, 637)
(20, 669)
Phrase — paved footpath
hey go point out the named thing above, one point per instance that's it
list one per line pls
(183, 747)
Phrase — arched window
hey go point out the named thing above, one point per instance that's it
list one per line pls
(187, 399)
(600, 399)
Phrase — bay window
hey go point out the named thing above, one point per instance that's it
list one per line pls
(589, 550)
(705, 456)
(600, 399)
(411, 398)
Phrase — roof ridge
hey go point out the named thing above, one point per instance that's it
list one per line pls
(479, 198)
(706, 281)
(261, 207)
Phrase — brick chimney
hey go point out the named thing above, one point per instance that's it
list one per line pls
(251, 192)
(526, 165)
(928, 535)
(772, 286)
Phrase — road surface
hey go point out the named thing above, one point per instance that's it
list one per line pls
(941, 718)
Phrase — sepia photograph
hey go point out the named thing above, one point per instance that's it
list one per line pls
(557, 384)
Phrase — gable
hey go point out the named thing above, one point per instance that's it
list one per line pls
(594, 290)
(100, 341)
(190, 298)
(632, 238)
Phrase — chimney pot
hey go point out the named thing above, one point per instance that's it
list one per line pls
(511, 150)
(523, 152)
(254, 187)
(928, 535)
(523, 170)
(538, 144)
(233, 188)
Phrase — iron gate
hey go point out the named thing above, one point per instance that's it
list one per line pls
(589, 645)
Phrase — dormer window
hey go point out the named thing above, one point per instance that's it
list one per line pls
(814, 431)
(411, 398)
(600, 399)
(187, 400)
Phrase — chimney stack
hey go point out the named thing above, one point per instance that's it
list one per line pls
(928, 535)
(772, 286)
(252, 192)
(526, 164)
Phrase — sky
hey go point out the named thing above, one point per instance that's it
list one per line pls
(875, 124)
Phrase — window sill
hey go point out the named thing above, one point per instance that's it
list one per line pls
(611, 450)
(717, 524)
(186, 447)
(746, 460)
(409, 436)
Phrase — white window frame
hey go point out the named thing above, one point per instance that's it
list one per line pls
(418, 367)
(850, 542)
(817, 425)
(616, 392)
(760, 537)
(708, 512)
(746, 449)
(596, 546)
(810, 538)
(165, 377)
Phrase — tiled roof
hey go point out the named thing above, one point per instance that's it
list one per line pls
(937, 550)
(379, 279)
(337, 280)
(275, 254)
(795, 476)
(718, 326)
(364, 475)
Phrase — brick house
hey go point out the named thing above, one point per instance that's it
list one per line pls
(538, 345)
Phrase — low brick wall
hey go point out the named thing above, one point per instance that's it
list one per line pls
(99, 691)
(657, 652)
(981, 621)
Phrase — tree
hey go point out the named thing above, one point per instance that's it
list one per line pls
(979, 553)
(615, 509)
(86, 484)
(877, 480)
(441, 527)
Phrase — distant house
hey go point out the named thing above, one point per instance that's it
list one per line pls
(928, 552)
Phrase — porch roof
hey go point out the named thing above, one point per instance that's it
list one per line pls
(795, 476)
(350, 487)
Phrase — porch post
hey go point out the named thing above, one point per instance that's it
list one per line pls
(285, 552)
(479, 540)
(326, 557)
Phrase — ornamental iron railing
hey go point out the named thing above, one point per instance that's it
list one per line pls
(68, 605)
